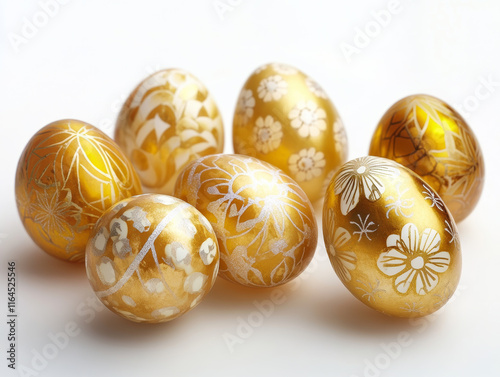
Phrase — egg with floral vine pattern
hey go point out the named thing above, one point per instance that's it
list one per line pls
(284, 117)
(263, 220)
(390, 238)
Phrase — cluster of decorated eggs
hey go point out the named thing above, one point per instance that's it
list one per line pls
(388, 218)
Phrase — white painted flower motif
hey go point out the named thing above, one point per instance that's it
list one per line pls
(128, 300)
(412, 307)
(106, 271)
(370, 291)
(208, 251)
(52, 210)
(100, 241)
(121, 247)
(315, 88)
(399, 203)
(268, 134)
(413, 258)
(195, 282)
(362, 176)
(272, 88)
(154, 285)
(188, 227)
(244, 107)
(284, 69)
(364, 227)
(452, 231)
(139, 217)
(119, 229)
(118, 234)
(307, 164)
(343, 261)
(307, 118)
(178, 255)
(165, 312)
(436, 201)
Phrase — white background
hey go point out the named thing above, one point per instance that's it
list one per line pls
(86, 59)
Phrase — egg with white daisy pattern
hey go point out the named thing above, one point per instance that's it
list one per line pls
(390, 238)
(285, 118)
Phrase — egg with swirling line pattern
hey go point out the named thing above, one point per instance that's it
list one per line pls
(69, 174)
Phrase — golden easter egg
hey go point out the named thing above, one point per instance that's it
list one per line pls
(152, 258)
(169, 120)
(426, 135)
(70, 173)
(264, 222)
(390, 238)
(285, 118)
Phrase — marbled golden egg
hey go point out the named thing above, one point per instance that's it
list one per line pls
(426, 135)
(152, 258)
(390, 238)
(285, 118)
(169, 120)
(69, 173)
(264, 222)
